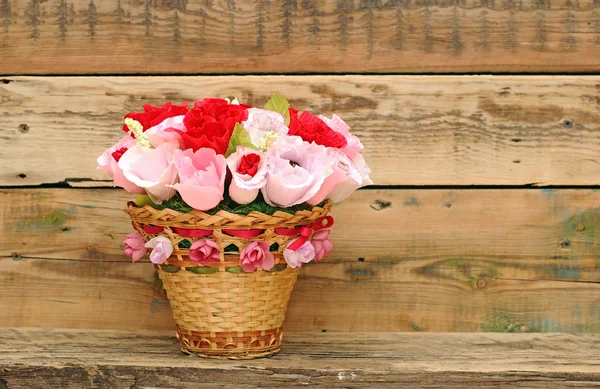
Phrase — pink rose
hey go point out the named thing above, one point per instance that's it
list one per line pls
(262, 121)
(296, 171)
(166, 131)
(151, 169)
(304, 254)
(321, 243)
(134, 246)
(345, 178)
(248, 168)
(108, 162)
(255, 255)
(161, 249)
(338, 125)
(201, 177)
(204, 252)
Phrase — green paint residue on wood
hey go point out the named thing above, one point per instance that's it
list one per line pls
(501, 322)
(411, 202)
(53, 218)
(583, 226)
(571, 272)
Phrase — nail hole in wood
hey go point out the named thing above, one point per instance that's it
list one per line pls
(23, 128)
(361, 259)
(5, 81)
(15, 256)
(22, 175)
(516, 140)
(568, 123)
(565, 244)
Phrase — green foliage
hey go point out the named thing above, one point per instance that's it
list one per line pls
(278, 267)
(231, 248)
(176, 203)
(274, 247)
(235, 269)
(240, 137)
(202, 269)
(170, 268)
(278, 103)
(184, 244)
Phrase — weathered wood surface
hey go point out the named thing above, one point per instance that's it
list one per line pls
(404, 260)
(66, 359)
(194, 36)
(416, 130)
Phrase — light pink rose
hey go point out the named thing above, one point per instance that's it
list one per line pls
(108, 162)
(304, 254)
(261, 121)
(205, 252)
(344, 180)
(257, 254)
(347, 187)
(321, 243)
(151, 169)
(134, 246)
(296, 171)
(166, 131)
(201, 177)
(161, 249)
(248, 169)
(338, 125)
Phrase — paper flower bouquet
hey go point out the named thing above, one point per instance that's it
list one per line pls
(231, 201)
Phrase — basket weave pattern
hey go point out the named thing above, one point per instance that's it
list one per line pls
(228, 313)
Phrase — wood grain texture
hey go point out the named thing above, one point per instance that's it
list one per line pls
(45, 359)
(283, 36)
(417, 130)
(403, 260)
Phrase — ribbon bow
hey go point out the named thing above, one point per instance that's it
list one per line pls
(305, 232)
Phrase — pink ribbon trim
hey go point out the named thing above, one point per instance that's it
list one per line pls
(305, 232)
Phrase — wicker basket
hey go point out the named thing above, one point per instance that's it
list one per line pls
(220, 311)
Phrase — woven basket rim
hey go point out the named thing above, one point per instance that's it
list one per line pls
(223, 219)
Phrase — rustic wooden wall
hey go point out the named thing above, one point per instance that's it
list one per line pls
(486, 213)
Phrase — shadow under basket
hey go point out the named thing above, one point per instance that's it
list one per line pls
(221, 311)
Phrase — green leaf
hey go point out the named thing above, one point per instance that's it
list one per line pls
(202, 269)
(184, 244)
(278, 103)
(142, 200)
(236, 269)
(170, 268)
(240, 137)
(278, 267)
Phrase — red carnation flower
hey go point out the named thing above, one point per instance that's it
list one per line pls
(312, 129)
(155, 115)
(210, 124)
(249, 164)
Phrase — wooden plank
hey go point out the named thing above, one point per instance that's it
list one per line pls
(404, 260)
(194, 36)
(124, 359)
(416, 130)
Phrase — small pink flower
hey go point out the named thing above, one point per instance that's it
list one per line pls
(134, 246)
(204, 252)
(304, 254)
(201, 177)
(161, 249)
(255, 255)
(321, 243)
(261, 121)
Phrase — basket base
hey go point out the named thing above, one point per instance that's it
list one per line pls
(230, 345)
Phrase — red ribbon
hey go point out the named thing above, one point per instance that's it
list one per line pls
(243, 233)
(305, 232)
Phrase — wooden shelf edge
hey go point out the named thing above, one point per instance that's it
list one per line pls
(48, 358)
